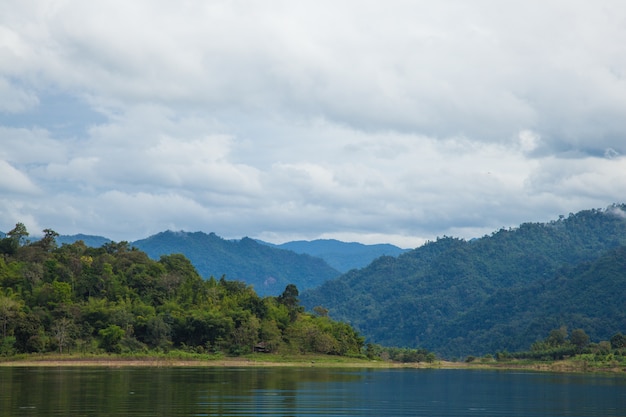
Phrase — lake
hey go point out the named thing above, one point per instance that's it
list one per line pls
(70, 391)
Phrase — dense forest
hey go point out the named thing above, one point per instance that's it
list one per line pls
(501, 293)
(504, 291)
(266, 266)
(268, 269)
(115, 298)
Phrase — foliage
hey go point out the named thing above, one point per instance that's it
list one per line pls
(116, 299)
(267, 268)
(499, 292)
(558, 346)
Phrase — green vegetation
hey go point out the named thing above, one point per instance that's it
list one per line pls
(268, 269)
(115, 299)
(500, 292)
(562, 352)
(558, 346)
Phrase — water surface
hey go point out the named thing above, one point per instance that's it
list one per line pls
(305, 392)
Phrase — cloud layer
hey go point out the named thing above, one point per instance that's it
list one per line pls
(394, 122)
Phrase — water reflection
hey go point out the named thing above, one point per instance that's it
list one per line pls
(304, 392)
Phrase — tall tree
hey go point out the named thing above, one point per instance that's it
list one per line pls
(289, 298)
(18, 233)
(8, 310)
(48, 242)
(14, 239)
(579, 339)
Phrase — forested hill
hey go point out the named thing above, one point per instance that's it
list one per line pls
(343, 256)
(116, 299)
(266, 268)
(502, 291)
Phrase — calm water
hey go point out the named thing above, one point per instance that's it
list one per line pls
(305, 392)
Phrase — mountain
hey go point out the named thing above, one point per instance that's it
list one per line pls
(342, 256)
(590, 296)
(502, 291)
(89, 240)
(268, 269)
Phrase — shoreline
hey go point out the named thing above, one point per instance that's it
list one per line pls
(295, 362)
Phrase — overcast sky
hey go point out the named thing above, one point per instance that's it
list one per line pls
(371, 121)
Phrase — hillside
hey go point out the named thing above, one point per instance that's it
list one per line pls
(89, 240)
(343, 256)
(115, 299)
(447, 296)
(590, 296)
(267, 269)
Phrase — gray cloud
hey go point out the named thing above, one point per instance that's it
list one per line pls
(395, 122)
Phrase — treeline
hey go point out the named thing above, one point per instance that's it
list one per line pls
(502, 291)
(561, 345)
(74, 298)
(267, 268)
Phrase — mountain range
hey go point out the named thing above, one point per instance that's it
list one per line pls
(269, 268)
(499, 292)
(455, 297)
(343, 256)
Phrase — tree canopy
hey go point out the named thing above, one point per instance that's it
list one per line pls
(117, 299)
(502, 291)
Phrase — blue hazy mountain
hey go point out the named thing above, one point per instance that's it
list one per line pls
(268, 269)
(343, 256)
(214, 256)
(89, 240)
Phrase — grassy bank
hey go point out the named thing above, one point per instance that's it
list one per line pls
(179, 359)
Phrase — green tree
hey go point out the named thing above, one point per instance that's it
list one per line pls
(579, 339)
(48, 242)
(111, 338)
(557, 337)
(18, 233)
(14, 239)
(158, 333)
(28, 333)
(289, 298)
(320, 311)
(9, 309)
(246, 335)
(618, 341)
(270, 335)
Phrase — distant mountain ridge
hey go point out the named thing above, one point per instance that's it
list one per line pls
(343, 256)
(268, 269)
(89, 240)
(215, 256)
(506, 290)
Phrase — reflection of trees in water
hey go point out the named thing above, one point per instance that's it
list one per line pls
(158, 391)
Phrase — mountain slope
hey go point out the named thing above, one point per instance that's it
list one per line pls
(89, 240)
(343, 256)
(590, 296)
(268, 269)
(421, 298)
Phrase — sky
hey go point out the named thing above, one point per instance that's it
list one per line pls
(370, 121)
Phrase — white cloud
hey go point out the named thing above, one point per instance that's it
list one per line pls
(405, 119)
(29, 146)
(14, 181)
(13, 99)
